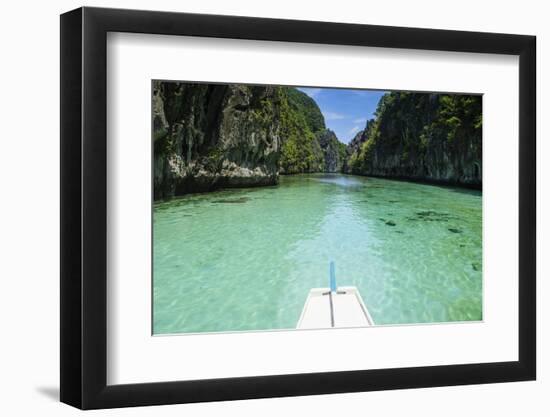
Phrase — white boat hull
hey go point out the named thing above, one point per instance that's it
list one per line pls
(342, 308)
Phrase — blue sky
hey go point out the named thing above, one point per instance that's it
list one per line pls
(345, 111)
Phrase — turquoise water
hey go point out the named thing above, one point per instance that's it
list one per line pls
(246, 259)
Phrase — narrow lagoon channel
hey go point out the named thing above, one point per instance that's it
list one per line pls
(245, 259)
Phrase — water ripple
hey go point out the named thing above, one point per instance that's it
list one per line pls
(246, 259)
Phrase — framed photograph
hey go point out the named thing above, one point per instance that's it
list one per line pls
(255, 208)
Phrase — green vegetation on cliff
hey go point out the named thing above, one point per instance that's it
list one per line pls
(300, 119)
(422, 136)
(307, 146)
(305, 105)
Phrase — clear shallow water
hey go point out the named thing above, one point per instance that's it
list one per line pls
(246, 259)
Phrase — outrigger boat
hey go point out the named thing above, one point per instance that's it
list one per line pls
(334, 307)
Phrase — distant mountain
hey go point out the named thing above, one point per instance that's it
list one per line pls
(334, 151)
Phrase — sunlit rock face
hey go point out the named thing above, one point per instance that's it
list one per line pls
(208, 136)
(418, 136)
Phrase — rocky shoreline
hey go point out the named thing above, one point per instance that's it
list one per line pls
(427, 181)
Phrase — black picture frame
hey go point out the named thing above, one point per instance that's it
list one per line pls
(84, 207)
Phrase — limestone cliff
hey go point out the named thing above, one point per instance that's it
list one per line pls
(419, 136)
(334, 151)
(208, 136)
(213, 135)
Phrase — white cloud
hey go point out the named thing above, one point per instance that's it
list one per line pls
(354, 130)
(360, 120)
(329, 115)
